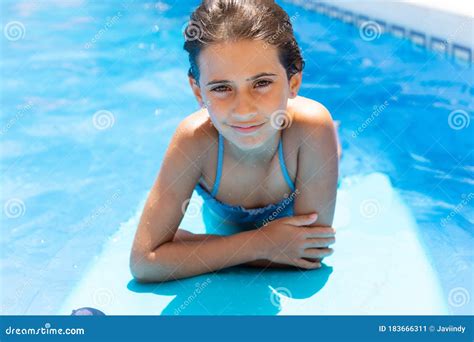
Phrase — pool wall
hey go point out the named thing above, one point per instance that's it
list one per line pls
(449, 32)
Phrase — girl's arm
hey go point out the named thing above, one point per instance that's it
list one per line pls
(155, 256)
(184, 235)
(181, 259)
(318, 165)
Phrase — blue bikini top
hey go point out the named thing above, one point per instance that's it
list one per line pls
(237, 214)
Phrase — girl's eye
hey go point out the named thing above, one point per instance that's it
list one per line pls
(220, 89)
(262, 83)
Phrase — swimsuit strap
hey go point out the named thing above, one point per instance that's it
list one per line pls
(283, 166)
(219, 166)
(220, 161)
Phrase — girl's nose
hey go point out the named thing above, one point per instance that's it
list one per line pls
(244, 108)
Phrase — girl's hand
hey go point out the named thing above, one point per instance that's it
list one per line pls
(289, 241)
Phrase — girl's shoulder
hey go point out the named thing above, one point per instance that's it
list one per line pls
(308, 118)
(199, 124)
(196, 134)
(304, 111)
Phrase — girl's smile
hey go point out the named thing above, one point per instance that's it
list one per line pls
(247, 128)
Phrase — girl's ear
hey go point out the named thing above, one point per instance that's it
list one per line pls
(196, 90)
(295, 83)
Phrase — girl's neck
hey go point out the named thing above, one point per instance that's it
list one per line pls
(262, 154)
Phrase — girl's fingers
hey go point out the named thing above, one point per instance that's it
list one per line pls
(317, 253)
(319, 232)
(302, 220)
(307, 264)
(318, 243)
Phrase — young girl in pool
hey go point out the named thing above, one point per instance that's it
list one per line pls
(263, 158)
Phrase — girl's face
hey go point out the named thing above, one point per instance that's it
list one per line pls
(243, 84)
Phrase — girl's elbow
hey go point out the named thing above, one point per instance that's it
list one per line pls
(143, 271)
(137, 267)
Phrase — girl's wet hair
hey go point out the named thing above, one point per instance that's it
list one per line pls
(216, 21)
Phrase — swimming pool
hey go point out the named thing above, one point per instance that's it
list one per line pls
(90, 99)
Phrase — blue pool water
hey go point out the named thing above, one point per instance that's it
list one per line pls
(92, 94)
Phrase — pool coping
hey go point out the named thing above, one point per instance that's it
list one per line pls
(448, 33)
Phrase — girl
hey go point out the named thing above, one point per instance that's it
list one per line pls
(264, 159)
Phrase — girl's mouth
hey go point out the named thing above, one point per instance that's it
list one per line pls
(245, 129)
